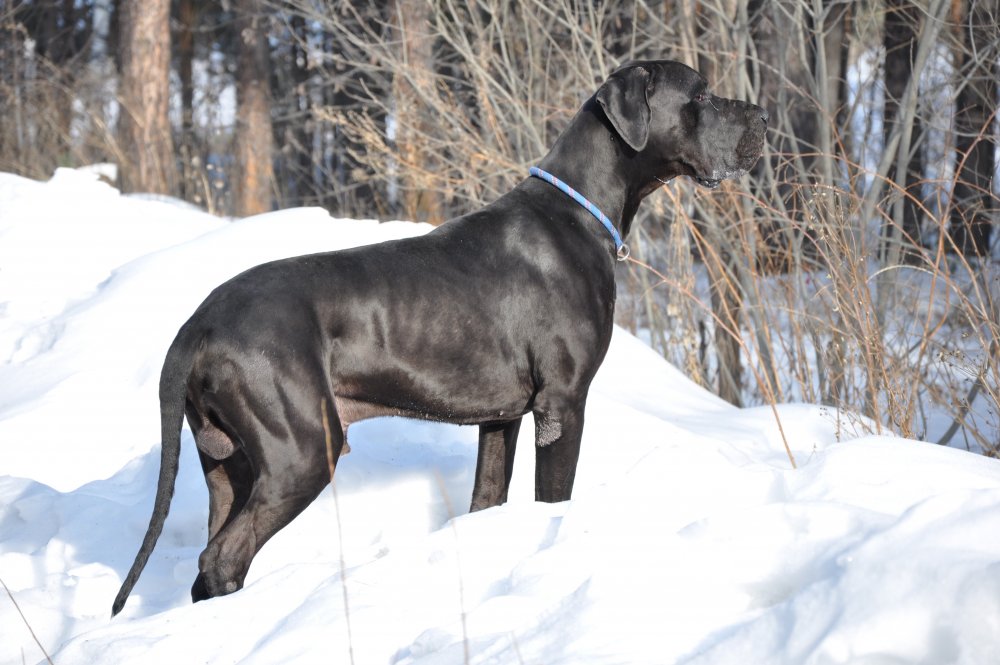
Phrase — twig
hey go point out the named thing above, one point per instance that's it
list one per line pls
(331, 466)
(958, 422)
(458, 565)
(25, 620)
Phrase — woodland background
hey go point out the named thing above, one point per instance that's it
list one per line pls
(855, 267)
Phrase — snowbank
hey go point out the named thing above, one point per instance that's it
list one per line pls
(689, 538)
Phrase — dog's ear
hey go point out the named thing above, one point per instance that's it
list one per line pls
(624, 98)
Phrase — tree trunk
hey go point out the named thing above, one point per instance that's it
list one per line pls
(145, 124)
(421, 201)
(973, 204)
(189, 158)
(829, 69)
(302, 164)
(254, 174)
(787, 55)
(783, 81)
(902, 24)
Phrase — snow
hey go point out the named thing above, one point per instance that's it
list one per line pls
(690, 539)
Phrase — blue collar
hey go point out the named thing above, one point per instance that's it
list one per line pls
(621, 249)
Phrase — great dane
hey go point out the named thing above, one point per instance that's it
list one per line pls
(501, 312)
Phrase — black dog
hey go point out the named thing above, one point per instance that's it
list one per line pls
(501, 312)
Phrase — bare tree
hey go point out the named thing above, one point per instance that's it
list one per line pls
(302, 122)
(187, 151)
(902, 25)
(43, 47)
(973, 209)
(146, 138)
(254, 172)
(412, 23)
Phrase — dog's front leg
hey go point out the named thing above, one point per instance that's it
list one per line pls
(494, 464)
(557, 449)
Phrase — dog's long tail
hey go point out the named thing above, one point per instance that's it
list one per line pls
(173, 391)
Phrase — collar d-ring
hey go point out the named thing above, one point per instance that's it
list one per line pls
(623, 252)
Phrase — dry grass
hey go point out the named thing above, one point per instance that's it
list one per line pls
(798, 283)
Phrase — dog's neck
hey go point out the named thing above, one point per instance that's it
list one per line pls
(622, 248)
(610, 188)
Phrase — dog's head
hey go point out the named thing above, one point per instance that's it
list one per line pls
(666, 113)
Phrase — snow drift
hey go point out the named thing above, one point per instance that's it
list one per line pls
(689, 539)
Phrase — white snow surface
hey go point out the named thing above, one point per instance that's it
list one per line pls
(689, 539)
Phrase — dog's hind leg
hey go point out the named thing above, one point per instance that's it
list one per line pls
(275, 500)
(494, 464)
(227, 470)
(229, 483)
(289, 463)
